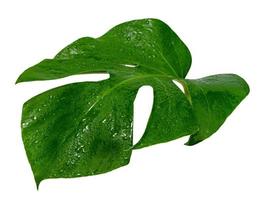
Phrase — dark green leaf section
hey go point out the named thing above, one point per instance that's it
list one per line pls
(213, 100)
(85, 128)
(148, 44)
(171, 115)
(50, 69)
(78, 129)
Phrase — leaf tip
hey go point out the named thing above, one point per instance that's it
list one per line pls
(21, 78)
(195, 138)
(192, 141)
(37, 183)
(18, 81)
(38, 180)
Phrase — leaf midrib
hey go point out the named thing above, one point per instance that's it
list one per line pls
(108, 91)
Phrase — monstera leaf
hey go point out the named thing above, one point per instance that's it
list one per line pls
(85, 128)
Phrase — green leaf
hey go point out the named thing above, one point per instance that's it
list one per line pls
(85, 128)
(68, 132)
(213, 100)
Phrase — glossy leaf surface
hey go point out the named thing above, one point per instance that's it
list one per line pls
(86, 128)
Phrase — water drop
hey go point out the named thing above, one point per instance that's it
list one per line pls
(124, 136)
(130, 65)
(86, 128)
(73, 51)
(80, 148)
(25, 124)
(126, 157)
(115, 134)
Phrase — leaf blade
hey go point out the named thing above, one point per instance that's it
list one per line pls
(144, 43)
(214, 98)
(171, 116)
(62, 142)
(135, 53)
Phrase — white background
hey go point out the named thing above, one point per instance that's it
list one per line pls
(223, 36)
